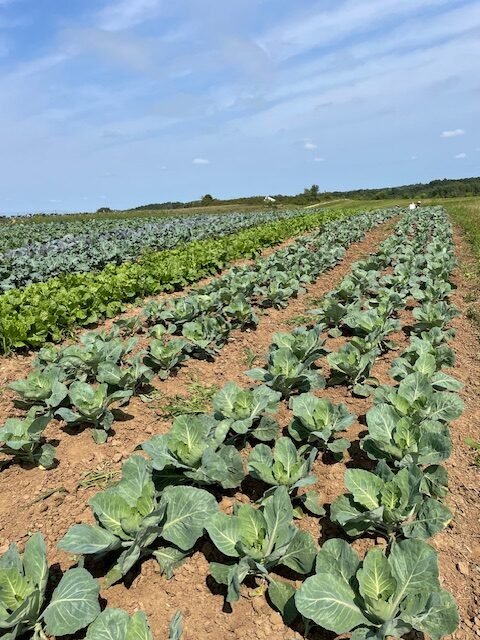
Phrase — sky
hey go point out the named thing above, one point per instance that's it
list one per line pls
(126, 102)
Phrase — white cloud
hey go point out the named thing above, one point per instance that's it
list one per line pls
(310, 146)
(125, 14)
(318, 159)
(413, 157)
(201, 161)
(452, 133)
(460, 156)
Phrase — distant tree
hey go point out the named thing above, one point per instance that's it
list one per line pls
(207, 199)
(312, 192)
(104, 210)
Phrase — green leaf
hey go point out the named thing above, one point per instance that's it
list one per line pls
(300, 553)
(74, 603)
(86, 539)
(169, 559)
(175, 629)
(376, 583)
(188, 510)
(414, 565)
(35, 561)
(330, 602)
(224, 532)
(282, 596)
(111, 624)
(138, 627)
(337, 556)
(364, 486)
(431, 518)
(439, 617)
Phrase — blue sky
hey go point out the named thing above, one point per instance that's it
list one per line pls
(124, 102)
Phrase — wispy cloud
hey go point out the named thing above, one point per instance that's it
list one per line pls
(460, 156)
(452, 133)
(200, 161)
(310, 146)
(319, 159)
(125, 14)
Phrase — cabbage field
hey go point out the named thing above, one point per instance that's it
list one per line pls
(275, 452)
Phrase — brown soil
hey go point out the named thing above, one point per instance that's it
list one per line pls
(201, 602)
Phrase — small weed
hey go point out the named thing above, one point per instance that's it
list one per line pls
(475, 445)
(298, 321)
(99, 477)
(198, 401)
(314, 301)
(473, 314)
(249, 357)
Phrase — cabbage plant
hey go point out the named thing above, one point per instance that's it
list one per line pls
(256, 540)
(403, 440)
(246, 411)
(427, 364)
(134, 376)
(433, 314)
(305, 344)
(130, 520)
(239, 313)
(383, 596)
(41, 389)
(80, 362)
(117, 624)
(316, 422)
(165, 357)
(352, 366)
(23, 440)
(92, 407)
(286, 466)
(285, 373)
(193, 452)
(25, 610)
(205, 336)
(417, 399)
(392, 505)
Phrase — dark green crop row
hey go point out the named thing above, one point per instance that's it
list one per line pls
(51, 310)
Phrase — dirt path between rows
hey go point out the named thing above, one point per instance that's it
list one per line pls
(199, 599)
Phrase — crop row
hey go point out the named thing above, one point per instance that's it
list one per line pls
(50, 310)
(151, 511)
(36, 234)
(93, 246)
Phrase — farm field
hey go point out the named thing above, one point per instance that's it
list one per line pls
(265, 452)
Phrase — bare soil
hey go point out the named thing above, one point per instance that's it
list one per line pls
(26, 508)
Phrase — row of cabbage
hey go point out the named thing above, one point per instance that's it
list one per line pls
(80, 383)
(48, 311)
(28, 234)
(392, 590)
(90, 246)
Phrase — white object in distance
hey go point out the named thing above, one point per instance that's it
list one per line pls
(269, 199)
(412, 206)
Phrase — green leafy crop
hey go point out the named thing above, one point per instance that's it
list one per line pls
(381, 597)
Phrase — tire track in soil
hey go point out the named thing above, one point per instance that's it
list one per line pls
(159, 598)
